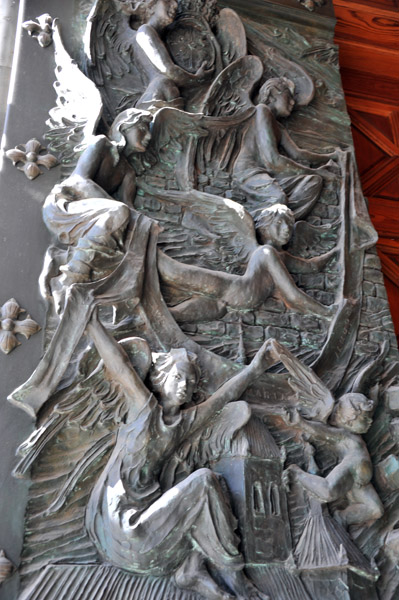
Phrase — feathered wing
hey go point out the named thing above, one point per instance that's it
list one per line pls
(211, 231)
(229, 97)
(208, 445)
(230, 33)
(64, 456)
(79, 106)
(111, 63)
(231, 91)
(312, 397)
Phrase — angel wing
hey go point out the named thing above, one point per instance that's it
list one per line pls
(64, 456)
(230, 92)
(79, 106)
(275, 64)
(230, 34)
(110, 53)
(313, 398)
(209, 444)
(221, 228)
(230, 97)
(88, 403)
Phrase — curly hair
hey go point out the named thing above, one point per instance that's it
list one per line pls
(126, 120)
(266, 216)
(141, 10)
(356, 402)
(207, 8)
(163, 363)
(278, 84)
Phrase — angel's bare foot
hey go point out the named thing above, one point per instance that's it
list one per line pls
(242, 587)
(192, 575)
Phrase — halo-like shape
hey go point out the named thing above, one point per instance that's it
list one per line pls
(275, 64)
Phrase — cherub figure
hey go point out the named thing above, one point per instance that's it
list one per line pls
(136, 520)
(261, 171)
(163, 75)
(267, 272)
(151, 78)
(350, 479)
(82, 210)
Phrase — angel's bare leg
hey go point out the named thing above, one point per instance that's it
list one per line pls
(198, 309)
(161, 89)
(365, 506)
(193, 278)
(269, 263)
(265, 272)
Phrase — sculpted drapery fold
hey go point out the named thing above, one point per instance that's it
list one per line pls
(206, 374)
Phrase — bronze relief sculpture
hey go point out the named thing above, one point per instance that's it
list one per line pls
(210, 370)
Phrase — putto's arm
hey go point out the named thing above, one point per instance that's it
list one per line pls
(234, 388)
(296, 264)
(89, 162)
(153, 47)
(296, 153)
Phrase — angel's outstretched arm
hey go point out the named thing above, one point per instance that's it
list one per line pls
(296, 153)
(285, 286)
(118, 365)
(296, 264)
(268, 144)
(234, 388)
(314, 431)
(193, 278)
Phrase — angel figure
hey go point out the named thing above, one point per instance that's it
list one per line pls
(267, 271)
(139, 522)
(340, 437)
(261, 171)
(81, 211)
(155, 53)
(151, 79)
(350, 479)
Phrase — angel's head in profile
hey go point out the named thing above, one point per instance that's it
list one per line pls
(131, 130)
(160, 12)
(278, 95)
(174, 377)
(206, 8)
(275, 225)
(353, 412)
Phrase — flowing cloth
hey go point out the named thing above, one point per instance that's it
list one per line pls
(144, 529)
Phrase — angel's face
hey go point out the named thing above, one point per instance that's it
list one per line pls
(354, 413)
(282, 103)
(137, 137)
(278, 232)
(179, 385)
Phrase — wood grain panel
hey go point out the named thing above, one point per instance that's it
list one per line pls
(365, 58)
(378, 28)
(368, 36)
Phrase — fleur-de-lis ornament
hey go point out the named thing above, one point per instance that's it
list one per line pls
(42, 30)
(27, 158)
(6, 567)
(10, 325)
